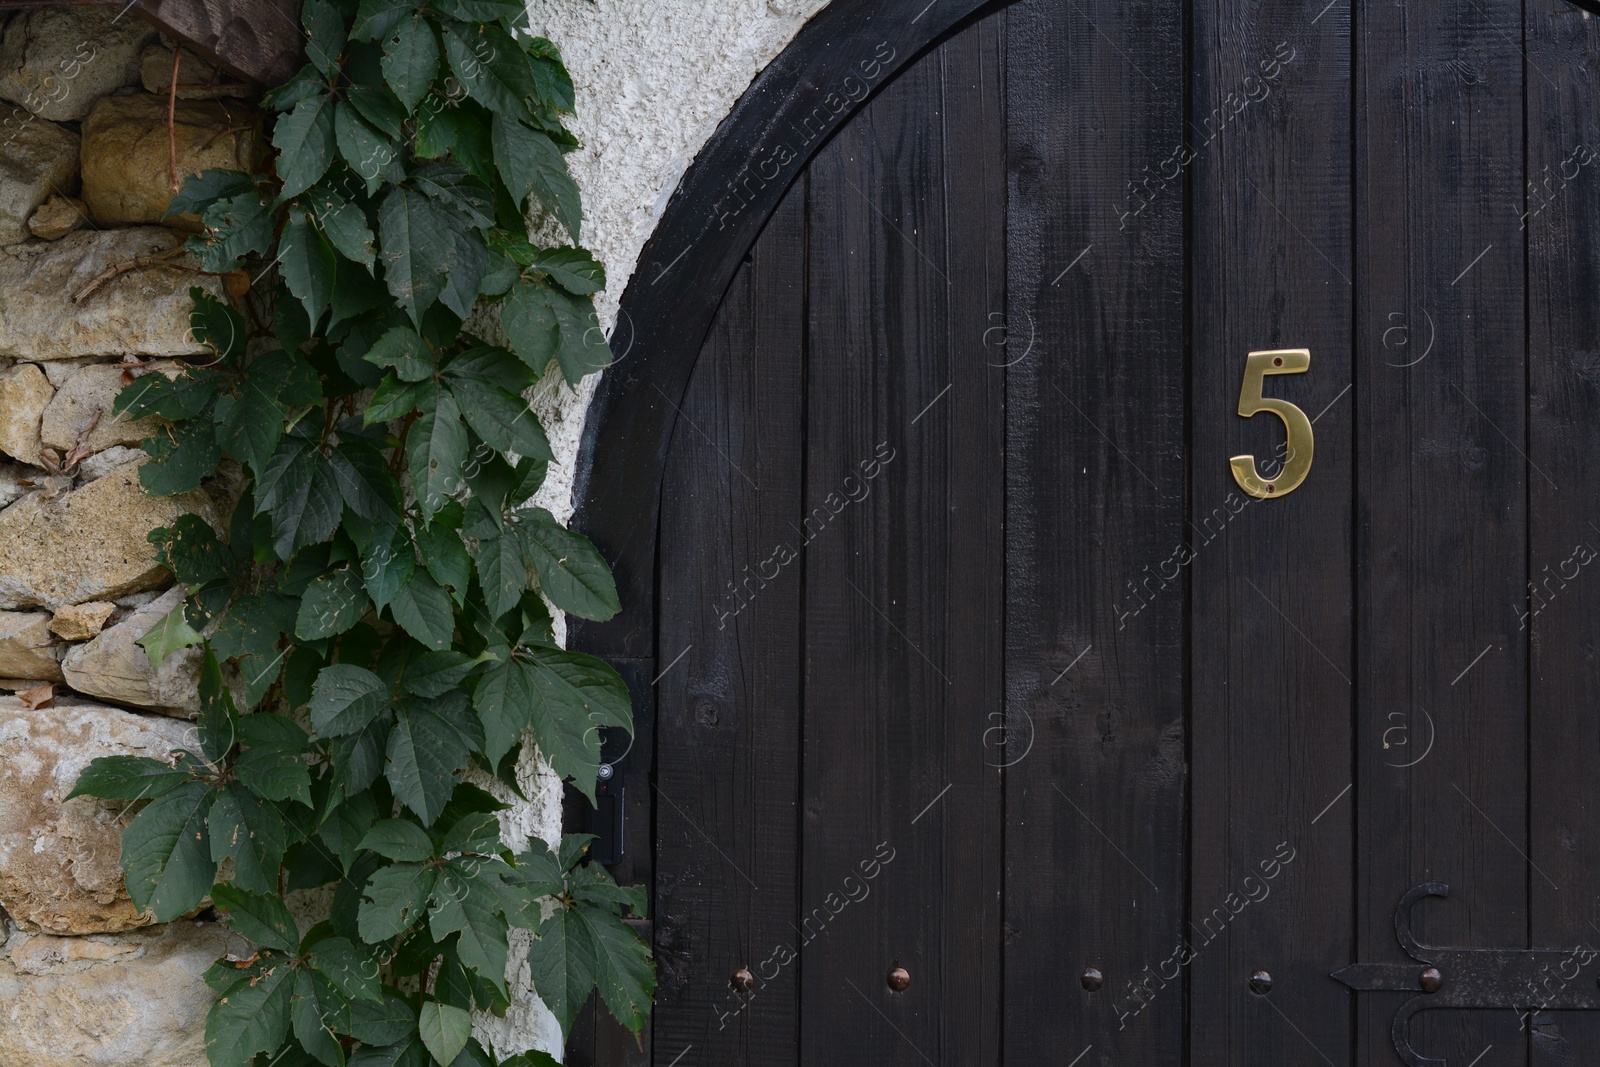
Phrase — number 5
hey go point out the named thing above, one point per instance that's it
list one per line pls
(1298, 440)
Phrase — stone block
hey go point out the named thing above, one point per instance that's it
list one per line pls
(60, 859)
(127, 160)
(141, 308)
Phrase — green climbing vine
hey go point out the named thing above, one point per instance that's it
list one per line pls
(377, 601)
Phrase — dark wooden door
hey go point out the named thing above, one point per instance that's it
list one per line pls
(974, 664)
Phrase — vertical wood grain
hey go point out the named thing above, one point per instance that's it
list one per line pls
(728, 751)
(1443, 501)
(1095, 594)
(1271, 638)
(1561, 612)
(904, 577)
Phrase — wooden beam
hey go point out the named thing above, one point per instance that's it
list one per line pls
(259, 40)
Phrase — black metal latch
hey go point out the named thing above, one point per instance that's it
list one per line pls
(1526, 980)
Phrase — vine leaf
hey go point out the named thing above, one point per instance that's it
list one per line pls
(418, 239)
(308, 265)
(272, 765)
(571, 571)
(393, 899)
(252, 1015)
(444, 1030)
(423, 610)
(166, 855)
(250, 832)
(345, 698)
(622, 965)
(304, 139)
(532, 164)
(425, 752)
(332, 604)
(172, 634)
(262, 917)
(128, 778)
(437, 451)
(398, 839)
(561, 960)
(411, 59)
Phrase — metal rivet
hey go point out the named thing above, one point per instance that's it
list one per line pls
(1261, 983)
(742, 980)
(1430, 980)
(898, 978)
(1092, 979)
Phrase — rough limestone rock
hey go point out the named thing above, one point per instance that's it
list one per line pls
(197, 79)
(57, 62)
(81, 411)
(88, 543)
(24, 394)
(114, 666)
(127, 168)
(79, 622)
(39, 159)
(57, 217)
(11, 478)
(143, 310)
(60, 860)
(27, 649)
(110, 1000)
(102, 463)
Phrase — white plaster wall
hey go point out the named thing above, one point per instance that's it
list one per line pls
(653, 79)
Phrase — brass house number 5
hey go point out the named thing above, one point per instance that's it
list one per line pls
(1298, 439)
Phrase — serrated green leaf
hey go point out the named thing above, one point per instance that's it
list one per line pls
(380, 107)
(262, 917)
(331, 605)
(252, 1016)
(546, 323)
(272, 764)
(502, 567)
(395, 399)
(574, 269)
(218, 722)
(424, 611)
(128, 778)
(482, 380)
(503, 700)
(308, 265)
(250, 426)
(404, 351)
(561, 961)
(436, 450)
(492, 67)
(478, 831)
(385, 1023)
(468, 904)
(444, 1030)
(443, 551)
(374, 18)
(349, 969)
(312, 1020)
(166, 855)
(434, 674)
(418, 238)
(411, 59)
(623, 970)
(325, 33)
(387, 565)
(344, 224)
(182, 456)
(394, 899)
(399, 839)
(574, 694)
(425, 754)
(304, 139)
(250, 832)
(170, 635)
(365, 481)
(368, 152)
(345, 698)
(532, 164)
(201, 190)
(571, 571)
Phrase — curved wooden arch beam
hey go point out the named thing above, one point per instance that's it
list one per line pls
(837, 61)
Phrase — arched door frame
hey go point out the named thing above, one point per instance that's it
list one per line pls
(837, 62)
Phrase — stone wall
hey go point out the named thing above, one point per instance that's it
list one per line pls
(94, 292)
(84, 177)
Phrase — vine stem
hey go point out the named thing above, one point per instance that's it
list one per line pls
(172, 121)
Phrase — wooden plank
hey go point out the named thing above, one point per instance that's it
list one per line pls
(728, 743)
(1563, 606)
(811, 89)
(904, 578)
(1443, 497)
(260, 40)
(1096, 390)
(1271, 693)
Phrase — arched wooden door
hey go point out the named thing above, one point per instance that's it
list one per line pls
(990, 718)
